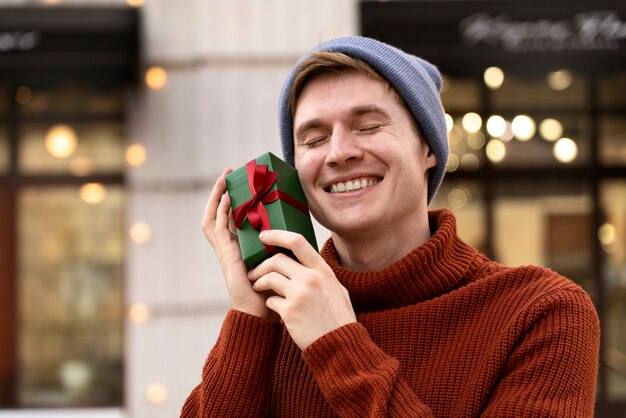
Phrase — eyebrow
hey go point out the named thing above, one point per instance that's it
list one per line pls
(354, 112)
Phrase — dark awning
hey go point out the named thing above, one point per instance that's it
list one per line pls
(529, 37)
(47, 45)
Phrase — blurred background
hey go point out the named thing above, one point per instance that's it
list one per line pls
(116, 117)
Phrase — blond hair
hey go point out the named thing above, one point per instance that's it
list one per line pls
(323, 62)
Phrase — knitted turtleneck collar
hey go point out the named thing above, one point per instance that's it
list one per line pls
(434, 268)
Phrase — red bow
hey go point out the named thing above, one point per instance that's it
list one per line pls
(260, 180)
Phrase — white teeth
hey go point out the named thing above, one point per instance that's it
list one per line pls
(349, 186)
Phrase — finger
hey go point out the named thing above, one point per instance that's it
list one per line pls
(276, 304)
(273, 281)
(221, 214)
(279, 263)
(295, 242)
(219, 188)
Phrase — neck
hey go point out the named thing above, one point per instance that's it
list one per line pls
(373, 250)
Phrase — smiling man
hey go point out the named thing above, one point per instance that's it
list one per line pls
(396, 316)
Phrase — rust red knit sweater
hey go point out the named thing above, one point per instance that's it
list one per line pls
(444, 332)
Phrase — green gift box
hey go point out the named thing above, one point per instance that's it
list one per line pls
(266, 194)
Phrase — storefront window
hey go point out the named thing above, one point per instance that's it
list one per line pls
(465, 198)
(612, 237)
(613, 140)
(611, 89)
(70, 295)
(70, 99)
(459, 94)
(68, 273)
(571, 147)
(561, 89)
(77, 149)
(546, 224)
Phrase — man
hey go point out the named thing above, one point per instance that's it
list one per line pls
(397, 316)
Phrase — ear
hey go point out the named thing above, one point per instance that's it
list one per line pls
(431, 159)
(428, 157)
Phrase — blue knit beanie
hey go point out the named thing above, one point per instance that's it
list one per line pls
(417, 81)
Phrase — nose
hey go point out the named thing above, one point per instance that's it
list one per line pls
(343, 147)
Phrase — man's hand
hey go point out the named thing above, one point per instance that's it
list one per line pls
(309, 298)
(219, 229)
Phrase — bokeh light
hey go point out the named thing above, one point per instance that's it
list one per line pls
(61, 141)
(565, 150)
(496, 151)
(472, 122)
(550, 129)
(494, 77)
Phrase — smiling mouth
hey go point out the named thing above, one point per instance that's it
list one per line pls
(354, 184)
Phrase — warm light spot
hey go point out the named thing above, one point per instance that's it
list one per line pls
(496, 126)
(53, 1)
(93, 193)
(453, 163)
(494, 77)
(156, 393)
(449, 122)
(136, 155)
(524, 127)
(560, 80)
(139, 313)
(606, 234)
(565, 150)
(135, 3)
(550, 129)
(156, 78)
(496, 151)
(61, 141)
(459, 197)
(81, 166)
(469, 162)
(23, 95)
(472, 122)
(140, 233)
(476, 140)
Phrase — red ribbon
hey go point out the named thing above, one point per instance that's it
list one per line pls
(260, 180)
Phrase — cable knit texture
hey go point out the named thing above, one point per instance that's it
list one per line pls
(443, 332)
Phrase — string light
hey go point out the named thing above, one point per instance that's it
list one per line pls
(550, 129)
(560, 80)
(565, 150)
(61, 141)
(140, 233)
(136, 155)
(494, 77)
(495, 150)
(93, 193)
(139, 313)
(156, 78)
(496, 126)
(524, 127)
(156, 393)
(472, 122)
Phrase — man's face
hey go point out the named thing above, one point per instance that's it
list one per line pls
(360, 160)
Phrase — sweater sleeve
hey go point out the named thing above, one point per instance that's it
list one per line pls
(552, 369)
(237, 375)
(358, 379)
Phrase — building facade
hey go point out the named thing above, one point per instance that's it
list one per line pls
(116, 120)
